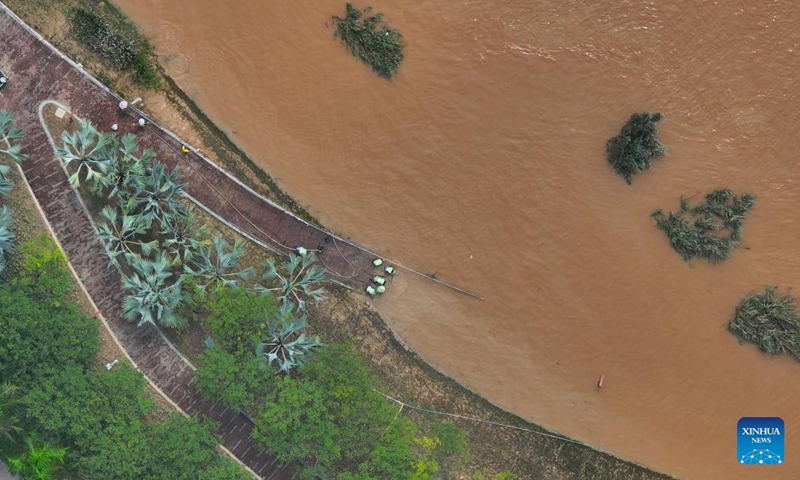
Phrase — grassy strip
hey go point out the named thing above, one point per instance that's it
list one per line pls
(711, 230)
(770, 320)
(370, 39)
(633, 149)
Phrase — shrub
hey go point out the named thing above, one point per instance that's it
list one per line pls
(770, 320)
(453, 444)
(370, 39)
(238, 382)
(392, 456)
(236, 317)
(631, 151)
(116, 48)
(76, 406)
(43, 270)
(183, 449)
(38, 338)
(144, 72)
(328, 416)
(426, 466)
(706, 236)
(99, 36)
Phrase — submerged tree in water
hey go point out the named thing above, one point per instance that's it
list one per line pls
(770, 320)
(710, 230)
(631, 151)
(370, 39)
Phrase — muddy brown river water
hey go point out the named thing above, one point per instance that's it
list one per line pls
(483, 161)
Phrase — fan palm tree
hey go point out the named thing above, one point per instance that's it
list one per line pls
(216, 266)
(38, 461)
(153, 299)
(126, 170)
(157, 195)
(9, 133)
(285, 346)
(122, 232)
(9, 421)
(182, 241)
(298, 282)
(89, 151)
(5, 183)
(6, 235)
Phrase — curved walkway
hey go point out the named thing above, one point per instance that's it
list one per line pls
(38, 72)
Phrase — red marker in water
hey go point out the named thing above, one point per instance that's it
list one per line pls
(600, 382)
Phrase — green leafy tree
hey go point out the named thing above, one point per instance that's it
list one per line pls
(425, 467)
(123, 234)
(237, 381)
(771, 320)
(39, 338)
(285, 346)
(43, 270)
(453, 445)
(633, 149)
(39, 461)
(9, 134)
(327, 416)
(296, 281)
(392, 456)
(237, 317)
(9, 411)
(86, 151)
(102, 416)
(152, 298)
(184, 449)
(179, 448)
(76, 406)
(217, 266)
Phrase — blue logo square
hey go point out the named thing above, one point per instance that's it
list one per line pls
(760, 441)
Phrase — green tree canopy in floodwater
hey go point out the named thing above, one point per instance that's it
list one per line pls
(636, 146)
(710, 230)
(370, 39)
(770, 320)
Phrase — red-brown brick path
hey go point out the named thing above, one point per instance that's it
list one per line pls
(38, 73)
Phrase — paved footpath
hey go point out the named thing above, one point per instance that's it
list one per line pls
(39, 73)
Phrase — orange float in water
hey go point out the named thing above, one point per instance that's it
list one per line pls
(600, 381)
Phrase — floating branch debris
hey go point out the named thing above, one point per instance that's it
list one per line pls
(770, 320)
(631, 151)
(710, 230)
(370, 39)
